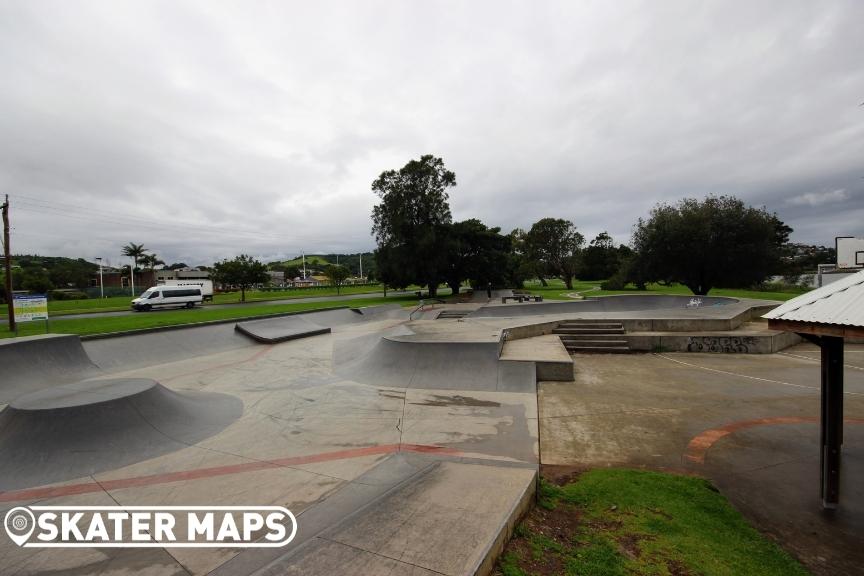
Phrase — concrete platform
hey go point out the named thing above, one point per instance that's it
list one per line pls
(314, 434)
(280, 330)
(404, 447)
(548, 354)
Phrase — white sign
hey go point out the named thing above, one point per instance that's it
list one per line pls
(150, 526)
(29, 308)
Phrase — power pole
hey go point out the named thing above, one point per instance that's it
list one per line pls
(8, 265)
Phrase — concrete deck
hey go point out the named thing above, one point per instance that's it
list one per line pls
(408, 447)
(377, 470)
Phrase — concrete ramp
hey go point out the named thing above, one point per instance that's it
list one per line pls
(402, 361)
(155, 348)
(623, 303)
(382, 311)
(76, 430)
(36, 362)
(278, 330)
(284, 328)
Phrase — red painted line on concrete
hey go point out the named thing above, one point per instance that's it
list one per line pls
(700, 444)
(184, 475)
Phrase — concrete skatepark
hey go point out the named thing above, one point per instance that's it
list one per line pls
(402, 446)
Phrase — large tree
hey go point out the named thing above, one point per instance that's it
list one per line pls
(719, 241)
(411, 223)
(478, 254)
(554, 244)
(242, 272)
(600, 259)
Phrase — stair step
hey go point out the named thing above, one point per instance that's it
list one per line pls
(583, 337)
(582, 323)
(595, 342)
(588, 330)
(607, 349)
(452, 314)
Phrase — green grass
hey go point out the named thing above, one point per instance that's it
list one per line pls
(85, 326)
(611, 522)
(311, 260)
(557, 291)
(117, 303)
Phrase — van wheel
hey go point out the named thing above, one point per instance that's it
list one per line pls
(146, 307)
(190, 304)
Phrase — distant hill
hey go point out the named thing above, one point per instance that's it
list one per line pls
(311, 260)
(350, 261)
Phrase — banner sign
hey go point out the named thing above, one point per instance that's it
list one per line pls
(30, 307)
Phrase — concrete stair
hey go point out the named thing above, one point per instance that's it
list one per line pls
(592, 336)
(452, 314)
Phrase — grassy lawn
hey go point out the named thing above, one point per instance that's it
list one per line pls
(621, 522)
(84, 326)
(557, 291)
(122, 302)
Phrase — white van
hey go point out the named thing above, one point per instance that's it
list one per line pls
(166, 296)
(206, 286)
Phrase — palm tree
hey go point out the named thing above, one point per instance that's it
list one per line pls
(151, 261)
(134, 251)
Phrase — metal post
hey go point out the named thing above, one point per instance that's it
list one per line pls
(831, 420)
(132, 277)
(101, 283)
(7, 252)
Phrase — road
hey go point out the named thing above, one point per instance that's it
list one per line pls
(346, 297)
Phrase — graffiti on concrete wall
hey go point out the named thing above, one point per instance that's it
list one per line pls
(720, 343)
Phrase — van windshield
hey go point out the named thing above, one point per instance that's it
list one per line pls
(145, 295)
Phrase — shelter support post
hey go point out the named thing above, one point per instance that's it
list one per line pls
(831, 419)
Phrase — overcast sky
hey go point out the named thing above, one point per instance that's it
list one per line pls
(206, 129)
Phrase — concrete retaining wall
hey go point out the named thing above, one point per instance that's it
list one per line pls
(767, 343)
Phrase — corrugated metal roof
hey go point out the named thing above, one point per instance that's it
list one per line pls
(841, 302)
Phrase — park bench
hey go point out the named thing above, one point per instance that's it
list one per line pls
(521, 298)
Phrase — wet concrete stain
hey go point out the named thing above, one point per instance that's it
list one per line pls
(457, 401)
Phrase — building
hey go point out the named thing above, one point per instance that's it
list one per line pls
(182, 274)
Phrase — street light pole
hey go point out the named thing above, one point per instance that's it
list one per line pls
(101, 284)
(132, 277)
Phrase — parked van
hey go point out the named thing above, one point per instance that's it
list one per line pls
(206, 286)
(168, 296)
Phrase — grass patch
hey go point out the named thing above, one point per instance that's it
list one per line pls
(622, 522)
(557, 291)
(117, 303)
(85, 326)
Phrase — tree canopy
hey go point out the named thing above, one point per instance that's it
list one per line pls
(411, 223)
(478, 254)
(601, 259)
(555, 245)
(719, 241)
(134, 251)
(242, 272)
(336, 274)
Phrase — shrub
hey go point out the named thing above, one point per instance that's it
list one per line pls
(67, 295)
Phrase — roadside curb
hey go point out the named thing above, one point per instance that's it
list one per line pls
(200, 324)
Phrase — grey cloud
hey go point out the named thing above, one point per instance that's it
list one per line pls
(220, 129)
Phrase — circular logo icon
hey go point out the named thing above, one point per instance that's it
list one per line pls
(19, 523)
